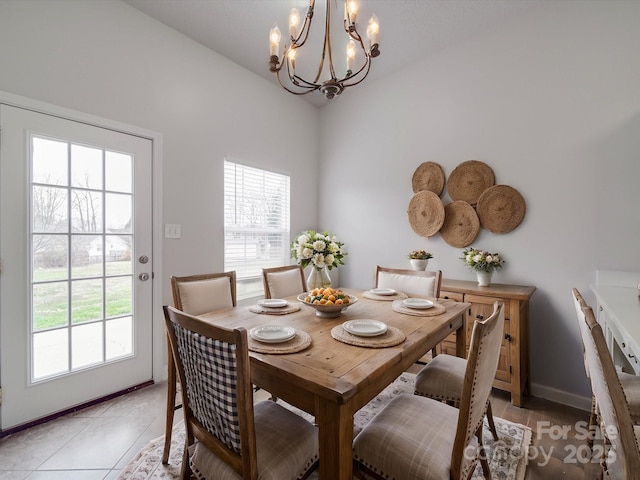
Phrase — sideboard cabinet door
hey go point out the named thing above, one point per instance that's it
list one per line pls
(512, 374)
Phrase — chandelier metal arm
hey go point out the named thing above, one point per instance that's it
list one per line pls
(355, 75)
(306, 27)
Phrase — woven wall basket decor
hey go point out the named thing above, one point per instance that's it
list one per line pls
(426, 213)
(501, 208)
(428, 176)
(461, 224)
(469, 180)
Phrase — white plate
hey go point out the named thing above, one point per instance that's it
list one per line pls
(383, 291)
(419, 303)
(273, 303)
(365, 328)
(272, 333)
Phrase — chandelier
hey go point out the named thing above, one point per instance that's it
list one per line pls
(294, 83)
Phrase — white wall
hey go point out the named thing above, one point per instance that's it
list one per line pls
(552, 103)
(108, 59)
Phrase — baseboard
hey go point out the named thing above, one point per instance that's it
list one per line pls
(561, 396)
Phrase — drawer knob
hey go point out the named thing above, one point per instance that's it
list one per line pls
(507, 337)
(480, 317)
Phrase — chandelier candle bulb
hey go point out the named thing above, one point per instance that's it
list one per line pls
(294, 21)
(373, 30)
(291, 55)
(351, 11)
(274, 40)
(351, 54)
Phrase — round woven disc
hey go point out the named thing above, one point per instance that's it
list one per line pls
(468, 180)
(428, 176)
(501, 208)
(426, 213)
(461, 224)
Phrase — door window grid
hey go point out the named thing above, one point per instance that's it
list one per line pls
(82, 286)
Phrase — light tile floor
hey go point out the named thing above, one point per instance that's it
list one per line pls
(96, 443)
(91, 444)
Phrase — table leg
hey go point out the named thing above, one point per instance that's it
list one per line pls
(335, 436)
(461, 338)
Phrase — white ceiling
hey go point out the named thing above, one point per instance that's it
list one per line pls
(410, 30)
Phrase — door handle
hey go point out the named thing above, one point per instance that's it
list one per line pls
(143, 276)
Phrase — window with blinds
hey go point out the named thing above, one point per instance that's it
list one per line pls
(256, 224)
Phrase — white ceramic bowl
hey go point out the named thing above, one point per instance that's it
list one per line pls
(327, 311)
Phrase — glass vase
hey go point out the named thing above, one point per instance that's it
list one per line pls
(318, 278)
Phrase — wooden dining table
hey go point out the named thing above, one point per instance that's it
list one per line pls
(332, 380)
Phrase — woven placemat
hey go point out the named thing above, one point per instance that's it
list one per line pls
(301, 341)
(390, 338)
(437, 309)
(461, 224)
(468, 180)
(428, 176)
(501, 208)
(426, 213)
(387, 298)
(289, 308)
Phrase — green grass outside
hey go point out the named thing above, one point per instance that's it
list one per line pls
(50, 299)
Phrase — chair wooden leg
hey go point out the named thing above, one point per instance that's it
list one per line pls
(485, 468)
(483, 455)
(492, 425)
(171, 405)
(185, 470)
(592, 422)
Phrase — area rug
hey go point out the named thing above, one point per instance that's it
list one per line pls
(507, 457)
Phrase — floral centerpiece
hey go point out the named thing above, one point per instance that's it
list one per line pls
(483, 263)
(322, 251)
(419, 255)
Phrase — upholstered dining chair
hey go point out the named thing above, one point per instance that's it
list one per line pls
(613, 411)
(418, 438)
(630, 383)
(442, 379)
(281, 282)
(194, 294)
(414, 283)
(227, 436)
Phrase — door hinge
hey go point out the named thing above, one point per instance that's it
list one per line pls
(0, 395)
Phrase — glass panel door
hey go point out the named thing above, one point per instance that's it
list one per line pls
(75, 240)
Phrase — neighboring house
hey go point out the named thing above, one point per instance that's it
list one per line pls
(116, 249)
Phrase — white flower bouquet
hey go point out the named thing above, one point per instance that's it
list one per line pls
(317, 249)
(482, 261)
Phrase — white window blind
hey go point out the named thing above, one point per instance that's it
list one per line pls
(256, 224)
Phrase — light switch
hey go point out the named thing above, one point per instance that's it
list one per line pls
(172, 230)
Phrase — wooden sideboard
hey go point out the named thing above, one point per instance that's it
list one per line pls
(513, 367)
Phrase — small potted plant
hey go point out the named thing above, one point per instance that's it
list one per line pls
(419, 259)
(483, 263)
